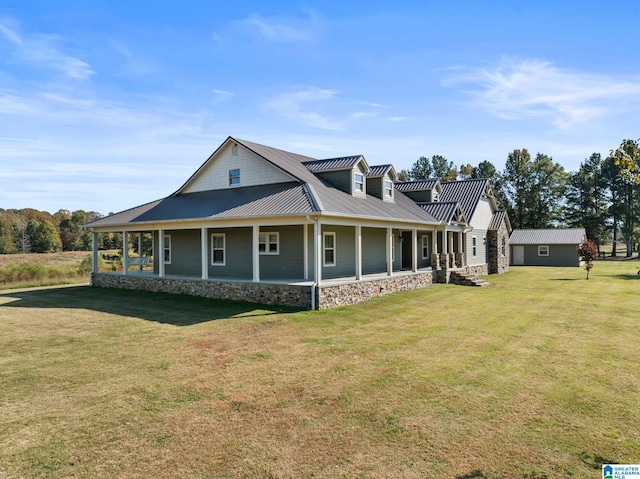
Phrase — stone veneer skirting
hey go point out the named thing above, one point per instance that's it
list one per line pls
(297, 296)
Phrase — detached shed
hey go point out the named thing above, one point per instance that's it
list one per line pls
(546, 247)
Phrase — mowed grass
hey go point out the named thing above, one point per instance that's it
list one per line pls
(535, 376)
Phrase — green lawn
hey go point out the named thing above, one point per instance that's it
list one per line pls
(535, 376)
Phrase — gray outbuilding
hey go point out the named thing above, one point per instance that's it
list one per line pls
(546, 247)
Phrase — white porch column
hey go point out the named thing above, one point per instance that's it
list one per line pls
(125, 252)
(434, 241)
(140, 251)
(203, 249)
(358, 252)
(305, 249)
(317, 251)
(414, 248)
(161, 253)
(389, 249)
(256, 254)
(94, 255)
(445, 241)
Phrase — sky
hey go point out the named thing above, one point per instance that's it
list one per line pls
(108, 104)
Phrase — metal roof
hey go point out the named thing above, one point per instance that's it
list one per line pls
(418, 185)
(442, 211)
(309, 194)
(465, 192)
(333, 164)
(497, 219)
(571, 236)
(379, 170)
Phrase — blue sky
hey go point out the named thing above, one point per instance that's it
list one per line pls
(105, 105)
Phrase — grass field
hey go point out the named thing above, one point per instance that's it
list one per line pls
(535, 376)
(44, 269)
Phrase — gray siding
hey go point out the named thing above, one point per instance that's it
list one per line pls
(482, 252)
(340, 179)
(559, 255)
(289, 263)
(185, 253)
(345, 252)
(374, 187)
(374, 250)
(239, 259)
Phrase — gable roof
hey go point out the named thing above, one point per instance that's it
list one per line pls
(381, 170)
(335, 164)
(468, 193)
(306, 194)
(417, 185)
(447, 211)
(570, 236)
(497, 219)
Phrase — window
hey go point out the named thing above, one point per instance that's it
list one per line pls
(167, 249)
(474, 249)
(218, 253)
(268, 243)
(388, 189)
(234, 177)
(329, 249)
(425, 247)
(358, 182)
(543, 250)
(504, 245)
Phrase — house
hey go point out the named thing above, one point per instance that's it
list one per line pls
(546, 247)
(265, 225)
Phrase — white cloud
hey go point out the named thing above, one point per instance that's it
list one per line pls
(516, 90)
(283, 29)
(302, 104)
(43, 51)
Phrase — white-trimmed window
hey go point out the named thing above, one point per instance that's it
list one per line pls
(388, 189)
(474, 248)
(167, 249)
(328, 249)
(269, 243)
(358, 183)
(218, 249)
(543, 250)
(425, 247)
(234, 177)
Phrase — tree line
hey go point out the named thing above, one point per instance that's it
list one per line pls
(31, 231)
(537, 192)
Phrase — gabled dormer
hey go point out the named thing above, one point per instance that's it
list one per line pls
(380, 182)
(421, 191)
(348, 173)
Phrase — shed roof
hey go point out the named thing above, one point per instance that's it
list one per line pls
(333, 164)
(417, 185)
(570, 236)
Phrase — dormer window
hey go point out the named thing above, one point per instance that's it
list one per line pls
(388, 188)
(358, 183)
(234, 177)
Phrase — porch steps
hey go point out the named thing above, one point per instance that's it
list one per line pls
(466, 279)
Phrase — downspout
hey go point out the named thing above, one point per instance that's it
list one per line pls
(315, 263)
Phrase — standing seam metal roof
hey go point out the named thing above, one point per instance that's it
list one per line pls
(570, 236)
(465, 192)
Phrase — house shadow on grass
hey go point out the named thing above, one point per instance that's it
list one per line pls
(175, 309)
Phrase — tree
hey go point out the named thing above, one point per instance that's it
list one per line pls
(466, 172)
(421, 169)
(444, 169)
(404, 175)
(614, 192)
(588, 252)
(517, 184)
(627, 157)
(486, 170)
(546, 193)
(587, 205)
(43, 237)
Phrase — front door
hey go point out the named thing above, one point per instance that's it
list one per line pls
(518, 255)
(407, 250)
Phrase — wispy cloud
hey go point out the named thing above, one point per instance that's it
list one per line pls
(285, 29)
(44, 51)
(132, 63)
(303, 105)
(516, 90)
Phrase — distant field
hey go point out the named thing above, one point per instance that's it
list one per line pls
(535, 376)
(41, 269)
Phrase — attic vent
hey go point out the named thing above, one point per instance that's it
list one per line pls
(234, 150)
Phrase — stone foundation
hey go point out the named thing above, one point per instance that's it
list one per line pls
(480, 270)
(272, 294)
(351, 293)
